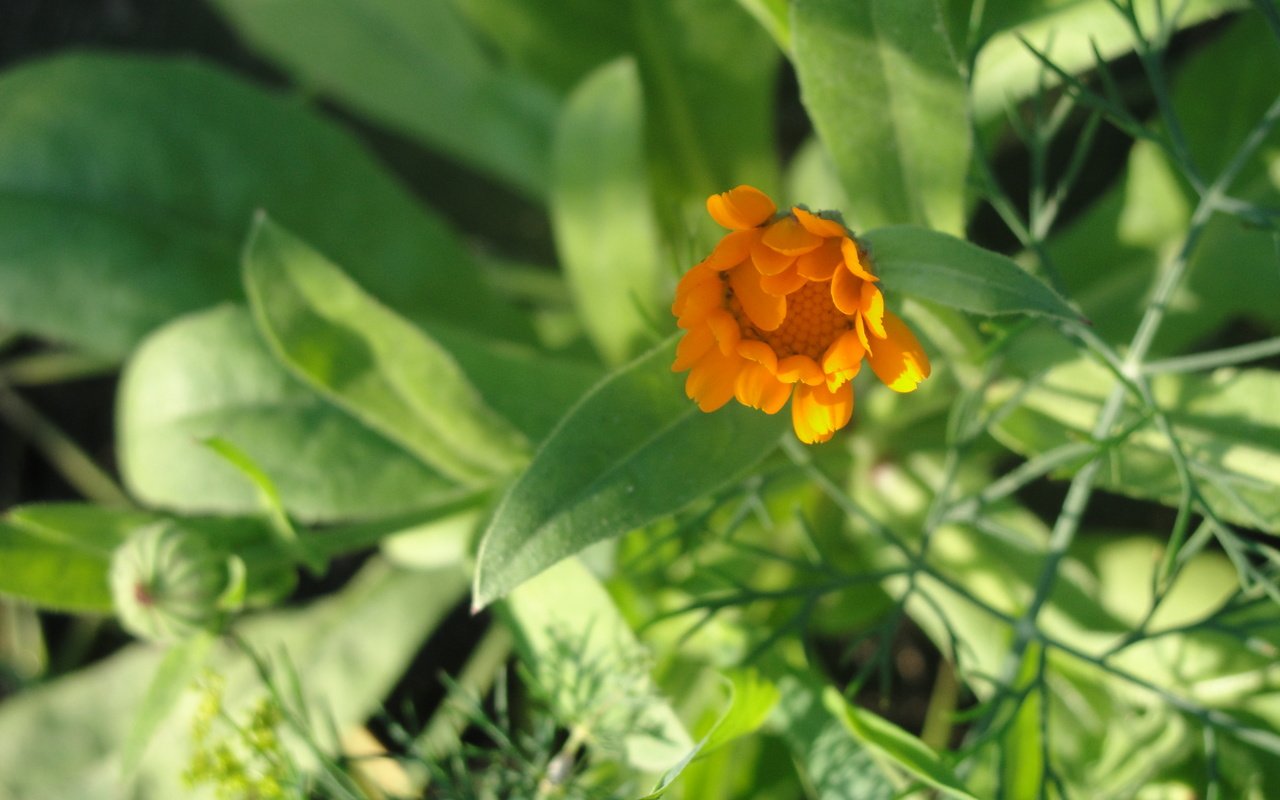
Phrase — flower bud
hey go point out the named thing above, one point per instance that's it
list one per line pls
(167, 583)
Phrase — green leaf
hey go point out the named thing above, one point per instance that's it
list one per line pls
(1228, 424)
(51, 570)
(58, 555)
(127, 185)
(949, 271)
(774, 16)
(173, 677)
(602, 214)
(882, 86)
(709, 72)
(896, 745)
(835, 764)
(209, 374)
(414, 66)
(582, 653)
(371, 362)
(558, 42)
(751, 699)
(276, 517)
(634, 449)
(530, 388)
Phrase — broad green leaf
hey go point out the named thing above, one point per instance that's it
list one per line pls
(173, 677)
(708, 71)
(372, 362)
(836, 765)
(1007, 72)
(585, 657)
(602, 214)
(127, 185)
(209, 374)
(416, 67)
(62, 552)
(896, 745)
(63, 739)
(634, 449)
(530, 388)
(557, 42)
(62, 573)
(1228, 424)
(751, 699)
(940, 268)
(811, 179)
(882, 86)
(774, 16)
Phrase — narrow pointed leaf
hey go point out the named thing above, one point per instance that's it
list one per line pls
(634, 449)
(943, 269)
(373, 363)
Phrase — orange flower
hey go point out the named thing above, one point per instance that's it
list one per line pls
(786, 307)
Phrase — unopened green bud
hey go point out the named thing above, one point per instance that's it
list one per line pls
(167, 583)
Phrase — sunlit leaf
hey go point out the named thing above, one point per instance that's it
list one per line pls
(1227, 424)
(940, 268)
(634, 449)
(371, 362)
(901, 748)
(751, 699)
(601, 210)
(209, 374)
(883, 88)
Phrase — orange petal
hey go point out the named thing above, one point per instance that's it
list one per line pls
(861, 330)
(769, 261)
(820, 264)
(764, 310)
(845, 291)
(899, 361)
(692, 347)
(843, 359)
(853, 259)
(758, 388)
(696, 279)
(784, 283)
(694, 306)
(787, 236)
(801, 369)
(759, 352)
(725, 329)
(871, 303)
(732, 250)
(817, 412)
(741, 208)
(711, 381)
(818, 226)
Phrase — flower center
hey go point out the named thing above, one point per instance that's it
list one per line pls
(811, 324)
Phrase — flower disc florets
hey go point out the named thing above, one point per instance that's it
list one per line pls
(787, 307)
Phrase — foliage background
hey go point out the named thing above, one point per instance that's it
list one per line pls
(939, 603)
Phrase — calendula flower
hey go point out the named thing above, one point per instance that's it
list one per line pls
(786, 307)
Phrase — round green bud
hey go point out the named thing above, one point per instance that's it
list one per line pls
(167, 583)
